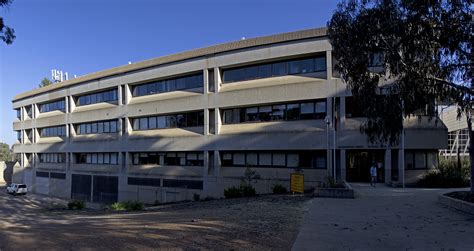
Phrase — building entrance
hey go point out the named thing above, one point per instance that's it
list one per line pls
(359, 163)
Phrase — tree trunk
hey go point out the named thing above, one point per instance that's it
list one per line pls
(471, 149)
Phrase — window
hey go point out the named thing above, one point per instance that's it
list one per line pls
(168, 158)
(60, 176)
(108, 126)
(18, 135)
(133, 181)
(298, 111)
(275, 159)
(281, 68)
(52, 157)
(97, 158)
(29, 111)
(182, 120)
(52, 106)
(188, 184)
(18, 113)
(99, 97)
(169, 85)
(42, 174)
(211, 80)
(55, 131)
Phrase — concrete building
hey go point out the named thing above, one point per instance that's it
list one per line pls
(190, 123)
(458, 133)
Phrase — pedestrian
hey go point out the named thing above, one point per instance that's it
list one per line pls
(373, 175)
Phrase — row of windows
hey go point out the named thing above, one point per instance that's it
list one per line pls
(97, 158)
(169, 158)
(281, 68)
(169, 85)
(300, 159)
(53, 131)
(52, 157)
(53, 106)
(106, 96)
(169, 121)
(51, 175)
(97, 127)
(420, 160)
(294, 111)
(190, 184)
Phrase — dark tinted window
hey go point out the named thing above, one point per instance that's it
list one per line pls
(169, 85)
(42, 174)
(109, 126)
(280, 159)
(52, 106)
(55, 131)
(189, 184)
(106, 96)
(61, 176)
(190, 119)
(281, 68)
(143, 182)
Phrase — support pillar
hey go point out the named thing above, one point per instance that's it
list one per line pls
(388, 166)
(343, 164)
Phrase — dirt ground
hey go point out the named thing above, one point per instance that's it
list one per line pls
(261, 223)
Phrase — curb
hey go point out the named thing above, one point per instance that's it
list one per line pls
(457, 204)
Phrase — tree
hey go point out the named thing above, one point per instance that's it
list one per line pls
(7, 34)
(424, 50)
(45, 82)
(5, 152)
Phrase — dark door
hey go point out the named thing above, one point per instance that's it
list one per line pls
(81, 187)
(105, 189)
(359, 162)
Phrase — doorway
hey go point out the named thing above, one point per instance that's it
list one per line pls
(359, 163)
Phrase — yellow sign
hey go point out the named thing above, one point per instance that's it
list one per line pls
(297, 183)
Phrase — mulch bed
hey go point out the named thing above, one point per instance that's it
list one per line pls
(462, 195)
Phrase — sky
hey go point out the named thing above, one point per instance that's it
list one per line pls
(85, 36)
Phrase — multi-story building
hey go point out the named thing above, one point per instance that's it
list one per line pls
(458, 133)
(191, 123)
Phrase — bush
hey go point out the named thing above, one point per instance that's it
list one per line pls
(248, 191)
(127, 206)
(279, 189)
(76, 204)
(196, 197)
(233, 192)
(446, 175)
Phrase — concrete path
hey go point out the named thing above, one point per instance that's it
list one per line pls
(385, 218)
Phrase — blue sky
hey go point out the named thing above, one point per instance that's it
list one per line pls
(86, 36)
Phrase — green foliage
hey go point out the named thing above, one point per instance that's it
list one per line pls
(422, 47)
(7, 34)
(196, 197)
(76, 205)
(127, 206)
(5, 152)
(248, 190)
(447, 174)
(45, 82)
(279, 189)
(233, 192)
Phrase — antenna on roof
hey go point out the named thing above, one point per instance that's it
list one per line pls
(243, 38)
(59, 76)
(129, 62)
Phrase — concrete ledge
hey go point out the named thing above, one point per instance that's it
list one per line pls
(347, 192)
(457, 204)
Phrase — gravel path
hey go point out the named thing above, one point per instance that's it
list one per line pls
(262, 223)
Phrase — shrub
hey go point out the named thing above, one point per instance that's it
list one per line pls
(127, 206)
(76, 204)
(279, 189)
(446, 175)
(196, 197)
(248, 191)
(233, 192)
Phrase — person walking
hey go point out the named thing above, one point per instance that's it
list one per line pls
(373, 175)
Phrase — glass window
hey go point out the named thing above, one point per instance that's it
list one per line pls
(409, 160)
(181, 83)
(161, 122)
(301, 66)
(293, 160)
(279, 69)
(100, 127)
(420, 160)
(320, 64)
(143, 123)
(100, 158)
(181, 120)
(136, 124)
(94, 127)
(279, 159)
(265, 113)
(192, 119)
(171, 121)
(432, 159)
(89, 158)
(239, 159)
(251, 114)
(278, 112)
(113, 158)
(292, 111)
(152, 123)
(252, 159)
(265, 71)
(106, 127)
(106, 158)
(264, 159)
(320, 162)
(307, 110)
(321, 107)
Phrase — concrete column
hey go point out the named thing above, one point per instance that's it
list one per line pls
(342, 112)
(388, 166)
(69, 160)
(217, 79)
(206, 81)
(217, 163)
(400, 167)
(128, 94)
(120, 127)
(127, 161)
(206, 121)
(343, 164)
(72, 104)
(206, 164)
(119, 95)
(328, 64)
(35, 110)
(217, 121)
(66, 104)
(127, 126)
(121, 162)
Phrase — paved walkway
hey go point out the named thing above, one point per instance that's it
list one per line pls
(385, 218)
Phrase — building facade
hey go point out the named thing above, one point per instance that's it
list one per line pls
(191, 123)
(458, 133)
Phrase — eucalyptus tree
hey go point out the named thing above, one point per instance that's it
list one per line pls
(7, 34)
(422, 50)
